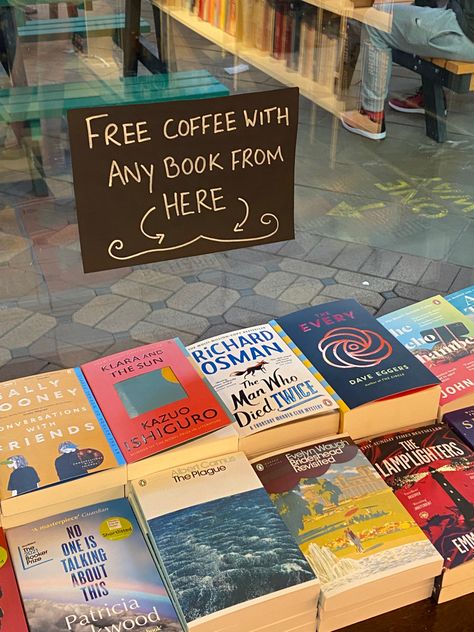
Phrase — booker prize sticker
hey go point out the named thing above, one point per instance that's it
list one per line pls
(116, 528)
(3, 556)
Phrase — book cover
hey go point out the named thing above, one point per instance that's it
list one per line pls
(260, 379)
(441, 338)
(154, 398)
(218, 535)
(51, 431)
(463, 300)
(346, 520)
(90, 570)
(355, 354)
(431, 471)
(12, 617)
(462, 423)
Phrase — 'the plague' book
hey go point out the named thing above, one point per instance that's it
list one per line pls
(51, 432)
(154, 398)
(12, 618)
(443, 340)
(462, 422)
(90, 570)
(463, 300)
(273, 397)
(379, 383)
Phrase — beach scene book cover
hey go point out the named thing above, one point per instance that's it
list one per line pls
(441, 338)
(51, 430)
(462, 423)
(154, 398)
(90, 570)
(357, 356)
(11, 609)
(431, 472)
(463, 300)
(346, 520)
(218, 535)
(260, 379)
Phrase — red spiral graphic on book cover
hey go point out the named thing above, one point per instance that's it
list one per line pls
(352, 348)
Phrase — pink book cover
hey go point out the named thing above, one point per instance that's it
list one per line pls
(12, 617)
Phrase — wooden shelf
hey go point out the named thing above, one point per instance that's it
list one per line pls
(372, 16)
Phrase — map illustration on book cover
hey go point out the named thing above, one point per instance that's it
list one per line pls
(90, 570)
(441, 338)
(432, 473)
(463, 300)
(462, 423)
(346, 520)
(260, 379)
(11, 609)
(356, 355)
(52, 430)
(154, 398)
(218, 536)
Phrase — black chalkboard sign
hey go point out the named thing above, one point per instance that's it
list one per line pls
(165, 180)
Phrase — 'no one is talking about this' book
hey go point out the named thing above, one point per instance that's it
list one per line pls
(381, 386)
(273, 396)
(52, 434)
(90, 570)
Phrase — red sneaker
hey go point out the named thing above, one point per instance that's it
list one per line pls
(413, 104)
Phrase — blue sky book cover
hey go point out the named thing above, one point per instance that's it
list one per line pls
(357, 356)
(463, 300)
(89, 570)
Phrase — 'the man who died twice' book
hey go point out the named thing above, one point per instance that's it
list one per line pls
(90, 570)
(153, 398)
(11, 609)
(366, 366)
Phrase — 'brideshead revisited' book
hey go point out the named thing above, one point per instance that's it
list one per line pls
(154, 398)
(274, 398)
(227, 554)
(463, 300)
(379, 382)
(90, 570)
(462, 422)
(12, 617)
(431, 471)
(443, 340)
(51, 432)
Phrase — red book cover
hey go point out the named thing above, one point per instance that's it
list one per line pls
(279, 33)
(11, 608)
(153, 398)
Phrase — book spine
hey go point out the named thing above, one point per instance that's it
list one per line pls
(295, 39)
(100, 417)
(279, 33)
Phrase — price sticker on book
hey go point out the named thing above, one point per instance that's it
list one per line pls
(161, 181)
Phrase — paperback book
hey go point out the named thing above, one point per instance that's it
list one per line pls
(154, 399)
(379, 383)
(463, 300)
(228, 556)
(12, 617)
(462, 423)
(442, 339)
(266, 387)
(52, 431)
(90, 570)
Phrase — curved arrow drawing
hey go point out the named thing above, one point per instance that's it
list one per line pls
(239, 226)
(159, 236)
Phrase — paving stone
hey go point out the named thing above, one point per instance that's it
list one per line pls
(28, 331)
(217, 330)
(190, 295)
(146, 332)
(189, 265)
(155, 278)
(465, 278)
(364, 281)
(5, 356)
(241, 318)
(299, 247)
(257, 257)
(125, 316)
(380, 263)
(326, 250)
(19, 367)
(216, 320)
(274, 284)
(439, 276)
(83, 336)
(352, 257)
(97, 309)
(410, 269)
(140, 291)
(12, 317)
(302, 291)
(392, 304)
(226, 279)
(11, 245)
(413, 292)
(244, 268)
(218, 301)
(305, 268)
(182, 321)
(18, 285)
(366, 297)
(262, 304)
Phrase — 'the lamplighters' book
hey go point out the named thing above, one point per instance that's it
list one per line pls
(154, 398)
(227, 554)
(51, 432)
(90, 569)
(432, 473)
(462, 423)
(463, 300)
(275, 400)
(443, 340)
(11, 609)
(380, 385)
(361, 542)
